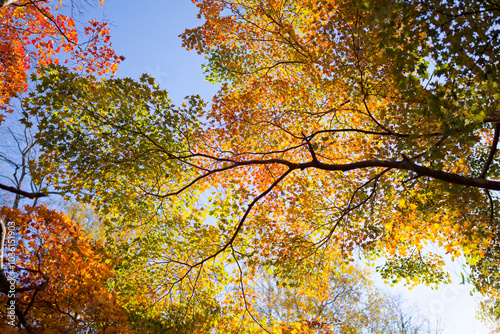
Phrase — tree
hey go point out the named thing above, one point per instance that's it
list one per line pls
(489, 314)
(60, 278)
(32, 34)
(53, 277)
(338, 298)
(361, 125)
(378, 112)
(143, 232)
(17, 161)
(407, 319)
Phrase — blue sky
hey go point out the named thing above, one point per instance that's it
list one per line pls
(146, 33)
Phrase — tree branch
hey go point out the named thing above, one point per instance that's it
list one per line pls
(22, 319)
(238, 227)
(493, 150)
(310, 147)
(21, 192)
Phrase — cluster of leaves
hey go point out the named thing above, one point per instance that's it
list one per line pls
(61, 277)
(118, 144)
(34, 34)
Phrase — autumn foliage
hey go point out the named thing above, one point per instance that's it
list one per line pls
(342, 129)
(33, 34)
(369, 122)
(61, 277)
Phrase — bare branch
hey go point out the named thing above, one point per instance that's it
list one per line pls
(243, 291)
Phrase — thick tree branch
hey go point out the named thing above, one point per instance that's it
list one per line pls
(405, 164)
(449, 177)
(310, 147)
(22, 319)
(21, 192)
(30, 303)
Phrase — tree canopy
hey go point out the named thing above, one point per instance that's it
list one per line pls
(61, 277)
(342, 129)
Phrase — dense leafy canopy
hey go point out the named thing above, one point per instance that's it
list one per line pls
(61, 278)
(342, 129)
(375, 112)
